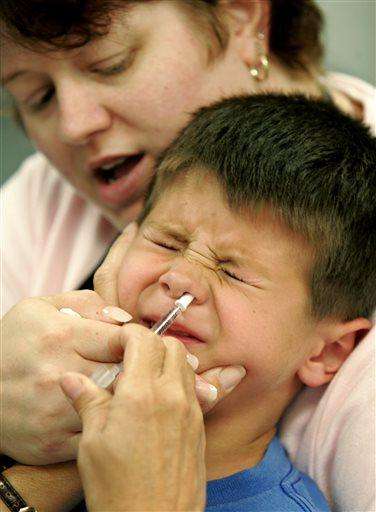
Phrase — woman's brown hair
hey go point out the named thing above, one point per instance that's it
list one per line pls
(295, 25)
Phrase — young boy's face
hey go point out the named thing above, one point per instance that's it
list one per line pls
(249, 277)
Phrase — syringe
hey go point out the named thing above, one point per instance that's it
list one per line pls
(104, 377)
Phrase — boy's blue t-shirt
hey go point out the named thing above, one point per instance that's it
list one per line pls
(274, 485)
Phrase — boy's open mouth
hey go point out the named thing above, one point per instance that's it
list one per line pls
(176, 330)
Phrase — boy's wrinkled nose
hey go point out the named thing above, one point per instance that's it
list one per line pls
(185, 277)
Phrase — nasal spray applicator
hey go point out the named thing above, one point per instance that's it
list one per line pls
(104, 377)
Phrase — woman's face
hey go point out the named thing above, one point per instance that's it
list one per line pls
(103, 113)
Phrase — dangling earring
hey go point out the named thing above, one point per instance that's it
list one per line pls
(261, 71)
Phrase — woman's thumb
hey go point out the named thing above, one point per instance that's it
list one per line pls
(105, 278)
(89, 401)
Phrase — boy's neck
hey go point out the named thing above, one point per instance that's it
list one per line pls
(238, 433)
(222, 462)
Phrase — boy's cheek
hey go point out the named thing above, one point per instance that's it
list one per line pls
(130, 282)
(137, 273)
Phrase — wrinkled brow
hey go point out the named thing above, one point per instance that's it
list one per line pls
(223, 252)
(227, 253)
(169, 230)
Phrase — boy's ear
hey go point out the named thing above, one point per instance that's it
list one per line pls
(336, 342)
(246, 20)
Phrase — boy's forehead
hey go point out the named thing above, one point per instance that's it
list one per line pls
(221, 241)
(194, 202)
(189, 211)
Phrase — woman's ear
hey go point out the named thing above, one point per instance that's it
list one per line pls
(336, 342)
(249, 24)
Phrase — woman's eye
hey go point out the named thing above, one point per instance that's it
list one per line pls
(43, 100)
(233, 276)
(114, 69)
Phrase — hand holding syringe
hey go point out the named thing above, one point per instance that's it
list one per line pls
(104, 377)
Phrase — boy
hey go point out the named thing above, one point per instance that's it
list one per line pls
(263, 209)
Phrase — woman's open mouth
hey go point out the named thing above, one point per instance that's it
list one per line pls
(122, 178)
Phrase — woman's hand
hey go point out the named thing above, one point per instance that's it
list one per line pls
(39, 344)
(142, 449)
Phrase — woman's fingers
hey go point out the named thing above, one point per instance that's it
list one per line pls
(97, 341)
(153, 430)
(215, 384)
(47, 343)
(179, 364)
(86, 304)
(145, 351)
(143, 356)
(89, 316)
(89, 401)
(105, 278)
(207, 394)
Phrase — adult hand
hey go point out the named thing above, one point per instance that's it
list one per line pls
(142, 449)
(106, 277)
(39, 343)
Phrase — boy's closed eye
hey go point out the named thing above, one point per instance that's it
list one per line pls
(168, 245)
(174, 246)
(234, 276)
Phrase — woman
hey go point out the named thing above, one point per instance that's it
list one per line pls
(101, 112)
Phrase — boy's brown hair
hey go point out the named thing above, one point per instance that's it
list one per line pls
(312, 165)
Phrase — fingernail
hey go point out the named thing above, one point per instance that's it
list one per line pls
(193, 361)
(231, 376)
(207, 391)
(72, 386)
(117, 314)
(70, 312)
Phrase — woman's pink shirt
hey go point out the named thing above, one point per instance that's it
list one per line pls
(52, 238)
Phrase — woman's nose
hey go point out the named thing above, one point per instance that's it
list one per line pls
(185, 277)
(81, 114)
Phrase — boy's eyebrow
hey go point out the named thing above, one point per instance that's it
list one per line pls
(242, 259)
(235, 255)
(169, 230)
